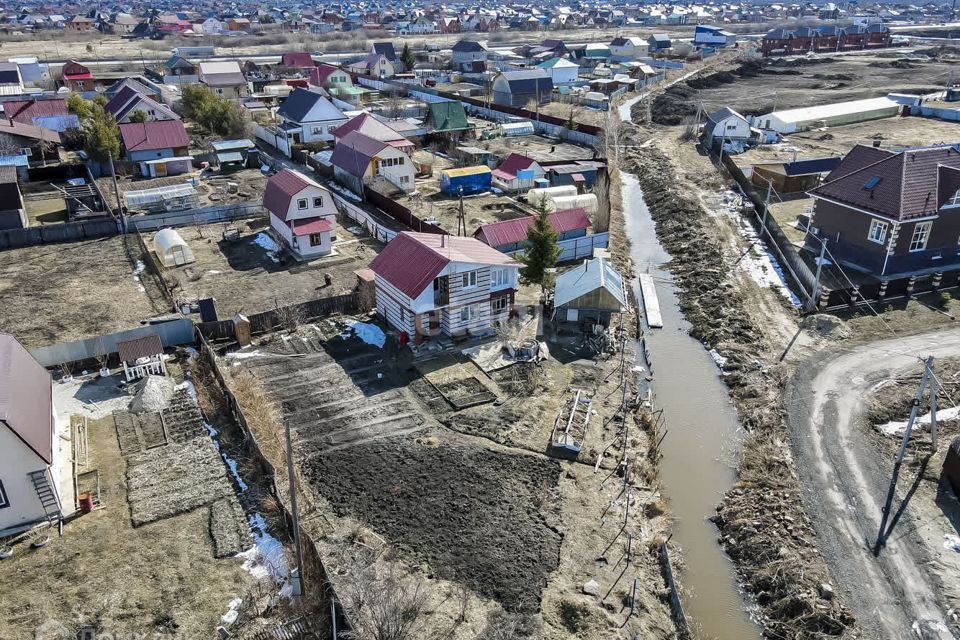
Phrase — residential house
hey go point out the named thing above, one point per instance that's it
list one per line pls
(360, 160)
(519, 88)
(376, 65)
(792, 177)
(225, 79)
(303, 215)
(659, 43)
(517, 172)
(710, 36)
(586, 296)
(11, 83)
(178, 71)
(12, 213)
(48, 113)
(80, 24)
(212, 27)
(510, 236)
(22, 144)
(891, 213)
(124, 23)
(726, 126)
(298, 60)
(430, 284)
(306, 116)
(128, 102)
(337, 82)
(386, 50)
(627, 48)
(161, 147)
(31, 71)
(77, 77)
(36, 470)
(369, 126)
(561, 70)
(238, 24)
(470, 56)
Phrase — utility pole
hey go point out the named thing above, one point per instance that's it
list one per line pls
(297, 581)
(926, 378)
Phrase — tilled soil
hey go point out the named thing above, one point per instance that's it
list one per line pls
(477, 516)
(763, 525)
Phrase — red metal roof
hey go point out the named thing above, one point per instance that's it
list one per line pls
(498, 234)
(281, 188)
(158, 134)
(308, 226)
(513, 163)
(411, 260)
(26, 110)
(301, 60)
(319, 75)
(370, 127)
(26, 404)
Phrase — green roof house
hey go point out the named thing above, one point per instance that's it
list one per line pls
(448, 116)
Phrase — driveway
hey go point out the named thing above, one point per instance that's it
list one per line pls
(846, 483)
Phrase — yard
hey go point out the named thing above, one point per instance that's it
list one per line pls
(105, 574)
(60, 292)
(243, 276)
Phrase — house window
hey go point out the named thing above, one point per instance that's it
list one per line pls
(318, 202)
(470, 312)
(878, 231)
(79, 84)
(302, 203)
(954, 201)
(404, 179)
(3, 497)
(921, 233)
(499, 277)
(499, 305)
(317, 131)
(468, 280)
(316, 240)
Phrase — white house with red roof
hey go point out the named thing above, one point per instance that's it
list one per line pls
(302, 214)
(36, 475)
(517, 172)
(429, 284)
(359, 159)
(161, 147)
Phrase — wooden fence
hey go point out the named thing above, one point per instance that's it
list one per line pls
(284, 317)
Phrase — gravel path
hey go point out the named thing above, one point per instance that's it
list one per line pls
(846, 484)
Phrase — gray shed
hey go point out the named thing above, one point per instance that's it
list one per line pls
(588, 295)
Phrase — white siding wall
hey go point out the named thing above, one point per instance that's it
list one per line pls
(394, 306)
(396, 172)
(16, 461)
(328, 210)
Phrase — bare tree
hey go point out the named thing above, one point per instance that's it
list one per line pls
(383, 604)
(601, 189)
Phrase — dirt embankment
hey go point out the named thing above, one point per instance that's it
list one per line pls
(762, 522)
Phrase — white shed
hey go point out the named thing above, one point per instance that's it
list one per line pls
(171, 248)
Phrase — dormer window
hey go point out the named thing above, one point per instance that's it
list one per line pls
(953, 201)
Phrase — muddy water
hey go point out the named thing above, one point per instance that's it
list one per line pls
(699, 452)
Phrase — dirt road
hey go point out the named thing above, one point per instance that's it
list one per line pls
(845, 487)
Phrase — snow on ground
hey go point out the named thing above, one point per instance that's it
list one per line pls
(897, 427)
(139, 268)
(369, 333)
(951, 542)
(343, 191)
(756, 261)
(268, 244)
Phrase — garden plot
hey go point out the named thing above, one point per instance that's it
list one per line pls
(477, 514)
(184, 475)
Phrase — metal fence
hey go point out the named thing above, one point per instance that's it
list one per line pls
(364, 219)
(65, 232)
(172, 333)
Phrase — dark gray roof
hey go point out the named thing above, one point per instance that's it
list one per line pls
(299, 103)
(386, 50)
(466, 46)
(528, 81)
(814, 165)
(722, 114)
(9, 73)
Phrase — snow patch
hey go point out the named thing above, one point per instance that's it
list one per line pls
(718, 359)
(369, 333)
(343, 191)
(139, 268)
(243, 355)
(268, 244)
(951, 542)
(897, 427)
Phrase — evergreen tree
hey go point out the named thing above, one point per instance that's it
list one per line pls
(407, 57)
(541, 251)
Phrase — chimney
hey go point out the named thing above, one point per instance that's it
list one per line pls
(876, 144)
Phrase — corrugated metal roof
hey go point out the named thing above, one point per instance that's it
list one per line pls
(354, 152)
(808, 114)
(158, 134)
(411, 260)
(26, 397)
(26, 110)
(308, 226)
(143, 347)
(281, 187)
(508, 232)
(587, 277)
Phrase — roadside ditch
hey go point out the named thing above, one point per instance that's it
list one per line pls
(762, 523)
